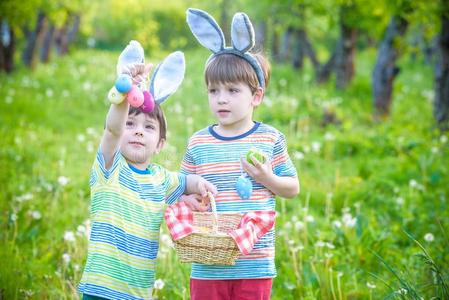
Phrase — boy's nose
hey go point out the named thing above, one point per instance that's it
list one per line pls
(138, 133)
(222, 99)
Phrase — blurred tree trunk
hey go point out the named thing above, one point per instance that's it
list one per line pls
(7, 47)
(67, 34)
(61, 41)
(385, 69)
(286, 43)
(324, 71)
(73, 32)
(260, 32)
(224, 19)
(299, 48)
(275, 46)
(32, 38)
(441, 104)
(47, 43)
(345, 51)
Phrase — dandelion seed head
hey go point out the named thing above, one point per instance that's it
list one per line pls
(428, 237)
(159, 284)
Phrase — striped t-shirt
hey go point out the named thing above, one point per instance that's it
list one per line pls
(127, 207)
(217, 159)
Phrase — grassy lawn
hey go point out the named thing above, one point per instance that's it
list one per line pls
(365, 185)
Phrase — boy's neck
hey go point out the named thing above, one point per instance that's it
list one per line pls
(139, 166)
(234, 129)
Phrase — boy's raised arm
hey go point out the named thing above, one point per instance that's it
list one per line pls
(115, 122)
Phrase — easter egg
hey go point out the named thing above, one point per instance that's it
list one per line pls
(259, 155)
(244, 187)
(148, 102)
(123, 83)
(115, 96)
(135, 96)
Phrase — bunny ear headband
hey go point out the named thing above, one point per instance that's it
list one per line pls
(209, 34)
(164, 82)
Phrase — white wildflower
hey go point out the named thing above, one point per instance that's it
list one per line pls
(298, 155)
(443, 139)
(413, 183)
(328, 255)
(330, 246)
(299, 225)
(24, 197)
(320, 244)
(336, 224)
(309, 219)
(69, 236)
(370, 285)
(35, 214)
(400, 200)
(348, 220)
(316, 147)
(329, 136)
(81, 230)
(13, 217)
(63, 181)
(66, 258)
(81, 137)
(159, 284)
(434, 150)
(288, 225)
(429, 237)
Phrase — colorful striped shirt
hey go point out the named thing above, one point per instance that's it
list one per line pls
(217, 159)
(127, 207)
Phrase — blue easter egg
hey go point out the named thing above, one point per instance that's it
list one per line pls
(244, 187)
(123, 83)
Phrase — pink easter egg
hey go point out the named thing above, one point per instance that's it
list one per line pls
(135, 96)
(148, 102)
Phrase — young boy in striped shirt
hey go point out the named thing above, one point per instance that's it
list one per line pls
(128, 197)
(236, 82)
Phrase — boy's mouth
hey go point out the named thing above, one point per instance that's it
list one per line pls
(136, 143)
(223, 112)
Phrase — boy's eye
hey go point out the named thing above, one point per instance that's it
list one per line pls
(212, 91)
(233, 90)
(129, 123)
(149, 127)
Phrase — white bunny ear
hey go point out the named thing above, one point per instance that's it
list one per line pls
(168, 76)
(132, 54)
(242, 33)
(205, 29)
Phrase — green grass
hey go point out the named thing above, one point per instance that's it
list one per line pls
(370, 191)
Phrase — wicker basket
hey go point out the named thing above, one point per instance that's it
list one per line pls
(209, 244)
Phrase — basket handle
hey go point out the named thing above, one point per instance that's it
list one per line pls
(214, 210)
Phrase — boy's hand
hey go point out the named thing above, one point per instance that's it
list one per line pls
(261, 172)
(205, 186)
(138, 72)
(195, 202)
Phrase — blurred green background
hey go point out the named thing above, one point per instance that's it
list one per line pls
(360, 89)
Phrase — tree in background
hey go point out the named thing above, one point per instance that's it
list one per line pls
(441, 103)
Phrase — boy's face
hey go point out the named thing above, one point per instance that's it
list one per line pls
(140, 140)
(233, 104)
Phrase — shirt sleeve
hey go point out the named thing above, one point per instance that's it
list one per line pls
(188, 165)
(99, 173)
(282, 164)
(175, 186)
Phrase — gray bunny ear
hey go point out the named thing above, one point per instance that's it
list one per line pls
(242, 33)
(205, 29)
(132, 54)
(168, 76)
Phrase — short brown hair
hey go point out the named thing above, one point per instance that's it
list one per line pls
(157, 114)
(225, 68)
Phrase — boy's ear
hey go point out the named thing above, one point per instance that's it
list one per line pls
(160, 145)
(257, 97)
